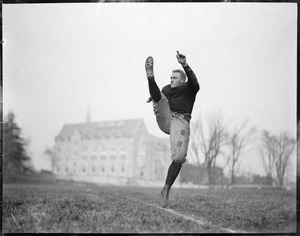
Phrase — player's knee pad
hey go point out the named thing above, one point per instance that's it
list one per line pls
(178, 157)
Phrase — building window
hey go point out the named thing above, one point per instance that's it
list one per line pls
(84, 157)
(93, 169)
(123, 157)
(113, 157)
(103, 157)
(57, 169)
(123, 169)
(85, 148)
(83, 169)
(94, 158)
(112, 169)
(67, 170)
(103, 169)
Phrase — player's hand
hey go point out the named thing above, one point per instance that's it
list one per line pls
(181, 59)
(149, 100)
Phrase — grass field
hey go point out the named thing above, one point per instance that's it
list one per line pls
(73, 207)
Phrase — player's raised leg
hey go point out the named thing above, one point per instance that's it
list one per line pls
(160, 102)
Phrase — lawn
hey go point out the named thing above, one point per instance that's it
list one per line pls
(73, 207)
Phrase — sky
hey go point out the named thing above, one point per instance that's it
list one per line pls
(61, 60)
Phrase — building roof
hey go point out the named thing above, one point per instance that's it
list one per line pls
(102, 129)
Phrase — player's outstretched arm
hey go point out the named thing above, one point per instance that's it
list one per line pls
(192, 79)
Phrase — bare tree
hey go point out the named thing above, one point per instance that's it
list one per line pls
(237, 141)
(210, 144)
(266, 154)
(284, 149)
(194, 145)
(279, 150)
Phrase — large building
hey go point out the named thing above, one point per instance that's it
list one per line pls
(114, 151)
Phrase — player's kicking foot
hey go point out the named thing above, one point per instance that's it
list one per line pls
(165, 196)
(149, 67)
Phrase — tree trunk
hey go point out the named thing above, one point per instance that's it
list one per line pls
(210, 172)
(210, 177)
(232, 172)
(232, 177)
(270, 179)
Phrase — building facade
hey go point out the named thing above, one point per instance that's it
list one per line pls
(114, 151)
